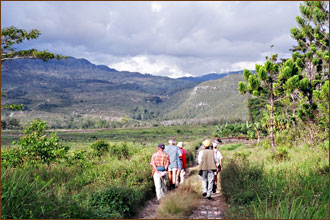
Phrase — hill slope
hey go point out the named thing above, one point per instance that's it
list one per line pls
(212, 99)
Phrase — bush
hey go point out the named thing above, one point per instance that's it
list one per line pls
(12, 157)
(120, 150)
(100, 147)
(78, 158)
(37, 147)
(116, 202)
(281, 153)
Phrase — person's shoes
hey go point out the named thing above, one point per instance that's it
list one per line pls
(204, 194)
(209, 198)
(214, 189)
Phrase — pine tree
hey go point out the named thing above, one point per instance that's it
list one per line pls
(262, 85)
(312, 56)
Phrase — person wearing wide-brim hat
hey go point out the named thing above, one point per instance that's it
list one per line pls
(207, 167)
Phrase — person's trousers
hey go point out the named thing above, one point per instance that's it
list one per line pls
(180, 176)
(160, 185)
(207, 181)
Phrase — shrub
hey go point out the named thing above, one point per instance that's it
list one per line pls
(119, 150)
(116, 202)
(281, 153)
(78, 158)
(38, 147)
(12, 157)
(100, 147)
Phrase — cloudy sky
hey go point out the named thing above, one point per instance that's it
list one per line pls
(161, 38)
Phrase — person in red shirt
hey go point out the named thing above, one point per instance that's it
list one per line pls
(183, 159)
(160, 161)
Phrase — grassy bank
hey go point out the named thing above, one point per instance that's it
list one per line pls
(293, 185)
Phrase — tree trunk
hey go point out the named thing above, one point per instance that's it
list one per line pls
(271, 117)
(294, 120)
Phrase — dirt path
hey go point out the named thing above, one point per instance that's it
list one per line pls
(207, 209)
(150, 210)
(210, 209)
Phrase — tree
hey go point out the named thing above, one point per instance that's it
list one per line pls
(312, 56)
(262, 85)
(13, 35)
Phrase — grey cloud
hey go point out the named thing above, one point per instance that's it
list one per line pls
(195, 37)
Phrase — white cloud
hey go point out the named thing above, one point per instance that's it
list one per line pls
(156, 6)
(152, 64)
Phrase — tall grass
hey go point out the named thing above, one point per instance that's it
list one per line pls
(180, 203)
(82, 188)
(258, 185)
(84, 185)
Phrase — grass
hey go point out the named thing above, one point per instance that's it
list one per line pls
(81, 138)
(260, 187)
(180, 203)
(84, 185)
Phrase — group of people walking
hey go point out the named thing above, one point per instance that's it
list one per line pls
(170, 164)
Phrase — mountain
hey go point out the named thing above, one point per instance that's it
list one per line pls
(72, 87)
(210, 76)
(218, 99)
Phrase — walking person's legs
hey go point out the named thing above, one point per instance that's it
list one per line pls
(174, 177)
(204, 182)
(164, 183)
(182, 174)
(158, 186)
(210, 179)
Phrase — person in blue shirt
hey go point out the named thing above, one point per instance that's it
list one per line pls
(174, 152)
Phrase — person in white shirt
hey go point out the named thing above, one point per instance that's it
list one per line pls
(218, 159)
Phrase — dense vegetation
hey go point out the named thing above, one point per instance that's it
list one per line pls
(42, 179)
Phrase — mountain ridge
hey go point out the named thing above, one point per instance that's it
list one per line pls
(58, 88)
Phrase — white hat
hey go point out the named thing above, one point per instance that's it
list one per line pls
(180, 144)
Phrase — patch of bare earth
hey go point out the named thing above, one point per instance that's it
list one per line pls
(150, 210)
(210, 209)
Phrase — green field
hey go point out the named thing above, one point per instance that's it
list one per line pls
(82, 138)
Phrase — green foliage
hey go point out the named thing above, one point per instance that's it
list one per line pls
(234, 130)
(24, 196)
(115, 202)
(100, 147)
(12, 157)
(79, 159)
(119, 150)
(238, 182)
(13, 35)
(38, 147)
(281, 153)
(260, 187)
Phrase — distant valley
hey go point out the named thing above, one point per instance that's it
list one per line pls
(59, 89)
